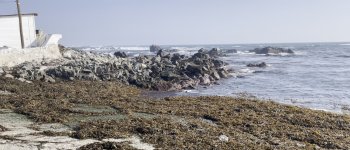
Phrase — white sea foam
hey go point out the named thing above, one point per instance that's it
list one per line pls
(133, 48)
(114, 48)
(245, 53)
(345, 44)
(186, 48)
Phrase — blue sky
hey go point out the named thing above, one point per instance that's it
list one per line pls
(144, 22)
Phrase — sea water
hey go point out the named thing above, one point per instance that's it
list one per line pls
(316, 77)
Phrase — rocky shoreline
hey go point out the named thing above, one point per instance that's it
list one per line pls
(163, 72)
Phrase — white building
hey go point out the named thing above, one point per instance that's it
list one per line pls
(38, 46)
(10, 32)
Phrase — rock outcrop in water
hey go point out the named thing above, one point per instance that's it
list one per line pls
(165, 71)
(272, 51)
(260, 65)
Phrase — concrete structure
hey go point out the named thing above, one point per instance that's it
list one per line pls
(12, 57)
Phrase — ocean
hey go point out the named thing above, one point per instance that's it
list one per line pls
(316, 77)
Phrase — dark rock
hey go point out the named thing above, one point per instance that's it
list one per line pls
(201, 55)
(194, 69)
(214, 52)
(120, 54)
(144, 130)
(211, 118)
(202, 50)
(162, 54)
(272, 50)
(176, 57)
(218, 63)
(260, 65)
(155, 48)
(230, 51)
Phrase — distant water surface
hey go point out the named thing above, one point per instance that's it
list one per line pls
(317, 77)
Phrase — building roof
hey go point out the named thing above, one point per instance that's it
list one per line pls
(14, 15)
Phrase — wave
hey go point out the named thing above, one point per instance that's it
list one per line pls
(134, 48)
(186, 48)
(114, 48)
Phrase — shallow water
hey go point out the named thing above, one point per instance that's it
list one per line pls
(317, 77)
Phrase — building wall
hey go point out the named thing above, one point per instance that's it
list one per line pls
(10, 34)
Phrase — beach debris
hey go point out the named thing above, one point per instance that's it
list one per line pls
(223, 138)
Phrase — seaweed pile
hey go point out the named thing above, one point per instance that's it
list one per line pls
(182, 122)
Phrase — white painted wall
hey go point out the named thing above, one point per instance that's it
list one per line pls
(15, 56)
(9, 31)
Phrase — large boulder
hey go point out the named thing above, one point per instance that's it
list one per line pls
(120, 54)
(272, 51)
(154, 48)
(215, 52)
(193, 69)
(162, 53)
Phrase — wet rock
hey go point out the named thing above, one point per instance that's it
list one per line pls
(155, 48)
(229, 51)
(260, 65)
(201, 55)
(120, 54)
(272, 50)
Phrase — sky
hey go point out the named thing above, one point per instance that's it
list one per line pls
(182, 22)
